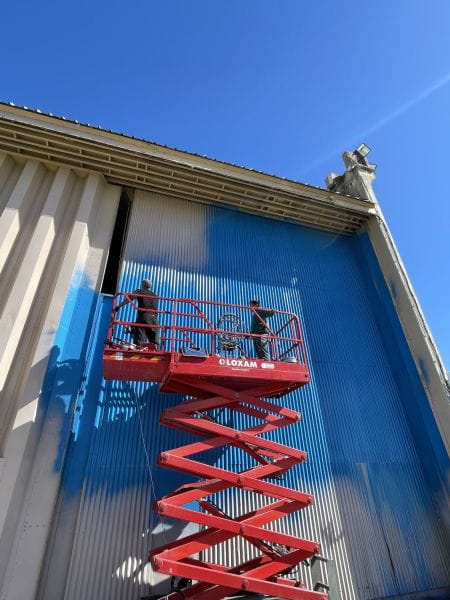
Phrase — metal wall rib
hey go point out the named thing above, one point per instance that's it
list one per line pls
(372, 512)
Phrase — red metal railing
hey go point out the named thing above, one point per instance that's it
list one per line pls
(175, 319)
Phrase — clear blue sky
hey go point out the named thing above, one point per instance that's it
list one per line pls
(283, 86)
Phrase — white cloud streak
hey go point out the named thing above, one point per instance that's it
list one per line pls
(357, 138)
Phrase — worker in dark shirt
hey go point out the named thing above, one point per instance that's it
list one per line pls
(258, 326)
(146, 300)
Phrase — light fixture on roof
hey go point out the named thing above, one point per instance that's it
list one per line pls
(363, 150)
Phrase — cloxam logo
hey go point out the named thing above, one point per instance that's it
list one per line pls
(235, 362)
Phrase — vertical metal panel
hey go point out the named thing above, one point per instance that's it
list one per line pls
(363, 467)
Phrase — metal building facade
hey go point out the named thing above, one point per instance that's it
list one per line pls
(376, 456)
(374, 511)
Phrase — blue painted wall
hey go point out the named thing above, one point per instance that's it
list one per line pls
(375, 462)
(428, 442)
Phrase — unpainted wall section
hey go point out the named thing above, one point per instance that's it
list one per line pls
(55, 227)
(374, 512)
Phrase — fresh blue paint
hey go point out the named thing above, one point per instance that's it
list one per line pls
(67, 360)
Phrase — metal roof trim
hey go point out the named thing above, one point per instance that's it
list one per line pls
(97, 133)
(142, 165)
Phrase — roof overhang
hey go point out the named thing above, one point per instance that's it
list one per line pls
(144, 165)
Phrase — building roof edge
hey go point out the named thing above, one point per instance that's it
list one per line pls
(109, 136)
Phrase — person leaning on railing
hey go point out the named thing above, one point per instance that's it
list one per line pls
(148, 300)
(258, 326)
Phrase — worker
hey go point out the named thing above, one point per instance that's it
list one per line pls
(147, 300)
(258, 326)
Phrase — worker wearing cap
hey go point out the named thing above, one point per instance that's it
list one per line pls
(147, 300)
(258, 326)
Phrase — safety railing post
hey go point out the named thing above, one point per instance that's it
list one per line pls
(172, 325)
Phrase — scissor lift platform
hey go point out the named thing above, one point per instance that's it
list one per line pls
(237, 373)
(215, 367)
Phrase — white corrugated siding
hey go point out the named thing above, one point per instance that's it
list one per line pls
(50, 239)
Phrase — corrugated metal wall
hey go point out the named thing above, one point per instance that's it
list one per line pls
(373, 512)
(55, 229)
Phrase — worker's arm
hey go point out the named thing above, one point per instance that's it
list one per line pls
(126, 301)
(116, 308)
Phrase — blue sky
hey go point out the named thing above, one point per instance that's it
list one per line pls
(283, 86)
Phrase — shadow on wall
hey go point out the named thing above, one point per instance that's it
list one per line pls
(59, 394)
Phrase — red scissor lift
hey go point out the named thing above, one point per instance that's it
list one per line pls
(205, 354)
